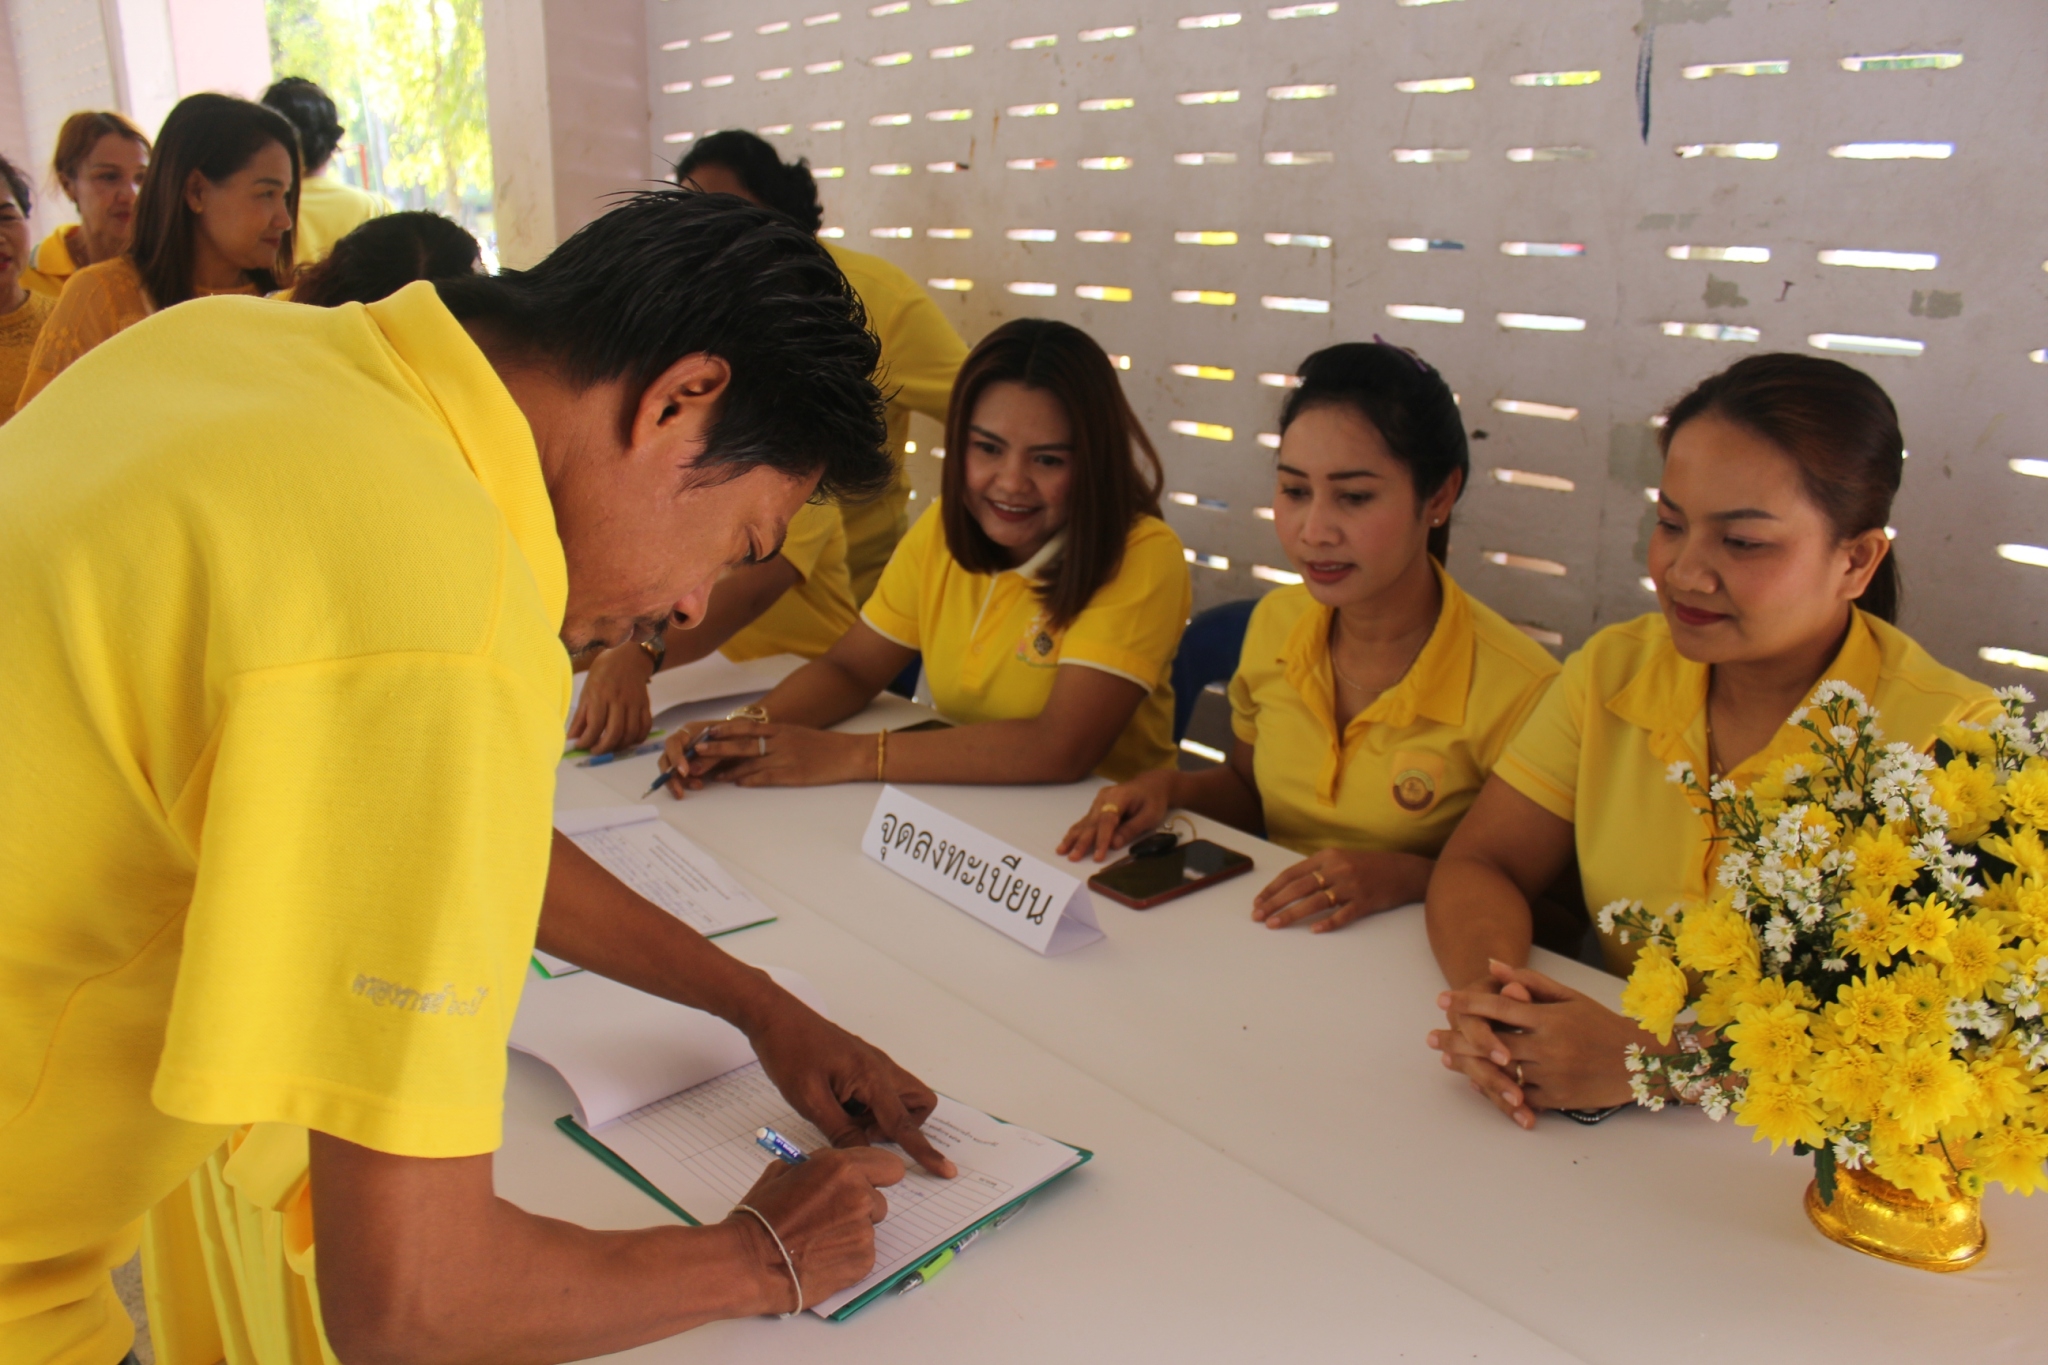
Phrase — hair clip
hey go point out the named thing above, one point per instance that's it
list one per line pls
(1420, 363)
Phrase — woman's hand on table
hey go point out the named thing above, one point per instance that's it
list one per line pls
(752, 753)
(825, 1211)
(614, 712)
(1347, 883)
(1527, 1043)
(1118, 814)
(852, 1090)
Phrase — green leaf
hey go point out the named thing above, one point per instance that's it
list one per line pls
(1824, 1172)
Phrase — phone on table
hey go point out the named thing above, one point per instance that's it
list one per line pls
(1143, 880)
(935, 723)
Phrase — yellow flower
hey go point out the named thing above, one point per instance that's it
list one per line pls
(1924, 1173)
(1850, 1080)
(1715, 938)
(2012, 1155)
(2023, 850)
(1966, 739)
(1883, 861)
(1926, 1088)
(1923, 930)
(1655, 992)
(1770, 990)
(1871, 1011)
(1970, 795)
(2026, 795)
(2029, 902)
(1771, 1041)
(1781, 1112)
(1925, 997)
(1725, 992)
(1999, 1087)
(1974, 959)
(1871, 940)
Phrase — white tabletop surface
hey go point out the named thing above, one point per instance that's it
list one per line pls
(1301, 1059)
(1159, 1249)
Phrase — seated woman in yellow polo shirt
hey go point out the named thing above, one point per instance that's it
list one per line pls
(1773, 572)
(1372, 699)
(214, 217)
(98, 164)
(1046, 594)
(798, 601)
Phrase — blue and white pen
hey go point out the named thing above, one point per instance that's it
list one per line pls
(778, 1146)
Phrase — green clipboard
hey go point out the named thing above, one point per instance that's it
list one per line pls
(583, 1138)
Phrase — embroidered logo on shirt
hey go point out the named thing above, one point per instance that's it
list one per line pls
(1417, 775)
(1038, 646)
(389, 994)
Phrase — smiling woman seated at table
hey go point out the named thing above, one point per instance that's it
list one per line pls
(1371, 700)
(1046, 594)
(1773, 571)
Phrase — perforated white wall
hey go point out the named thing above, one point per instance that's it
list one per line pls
(1575, 208)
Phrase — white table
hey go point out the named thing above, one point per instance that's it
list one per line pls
(1159, 1249)
(1665, 1236)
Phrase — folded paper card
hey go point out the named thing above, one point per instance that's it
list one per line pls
(1033, 902)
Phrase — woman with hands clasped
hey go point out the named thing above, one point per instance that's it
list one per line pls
(1773, 571)
(1044, 591)
(1372, 699)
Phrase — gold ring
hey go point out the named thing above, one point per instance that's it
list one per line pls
(1319, 878)
(762, 740)
(1109, 808)
(1331, 896)
(1518, 1073)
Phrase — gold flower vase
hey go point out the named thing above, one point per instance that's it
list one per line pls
(1879, 1219)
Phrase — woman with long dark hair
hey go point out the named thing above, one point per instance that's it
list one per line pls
(1043, 589)
(1372, 699)
(214, 217)
(1773, 572)
(385, 255)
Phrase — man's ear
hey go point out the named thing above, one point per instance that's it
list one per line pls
(682, 402)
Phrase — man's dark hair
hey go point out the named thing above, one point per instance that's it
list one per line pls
(17, 185)
(670, 273)
(784, 186)
(382, 256)
(312, 112)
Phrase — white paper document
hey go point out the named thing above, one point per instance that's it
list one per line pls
(1045, 909)
(655, 860)
(620, 1049)
(698, 1149)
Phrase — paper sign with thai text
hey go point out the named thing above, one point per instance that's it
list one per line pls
(1035, 903)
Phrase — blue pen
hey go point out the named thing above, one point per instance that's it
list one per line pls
(661, 778)
(778, 1146)
(599, 760)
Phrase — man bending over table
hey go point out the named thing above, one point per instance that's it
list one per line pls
(288, 590)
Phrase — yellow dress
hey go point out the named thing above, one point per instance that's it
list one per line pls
(54, 264)
(100, 301)
(921, 353)
(328, 211)
(18, 332)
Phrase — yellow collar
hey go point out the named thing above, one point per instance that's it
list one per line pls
(1668, 698)
(486, 423)
(54, 257)
(1435, 686)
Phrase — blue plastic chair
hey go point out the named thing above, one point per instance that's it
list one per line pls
(1208, 654)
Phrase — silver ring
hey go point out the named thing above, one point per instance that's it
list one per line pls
(762, 740)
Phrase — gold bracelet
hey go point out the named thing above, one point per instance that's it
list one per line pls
(881, 754)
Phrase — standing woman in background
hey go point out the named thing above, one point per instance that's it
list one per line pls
(214, 217)
(1371, 699)
(99, 164)
(920, 350)
(328, 209)
(22, 310)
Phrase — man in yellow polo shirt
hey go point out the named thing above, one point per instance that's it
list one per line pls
(276, 854)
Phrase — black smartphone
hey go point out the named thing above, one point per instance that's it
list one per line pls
(1142, 883)
(933, 724)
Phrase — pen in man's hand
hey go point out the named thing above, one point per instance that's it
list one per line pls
(661, 778)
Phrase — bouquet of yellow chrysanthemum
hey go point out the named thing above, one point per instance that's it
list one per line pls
(1867, 980)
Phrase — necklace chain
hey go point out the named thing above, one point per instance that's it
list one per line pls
(1337, 625)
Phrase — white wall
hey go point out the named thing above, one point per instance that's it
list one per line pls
(1972, 401)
